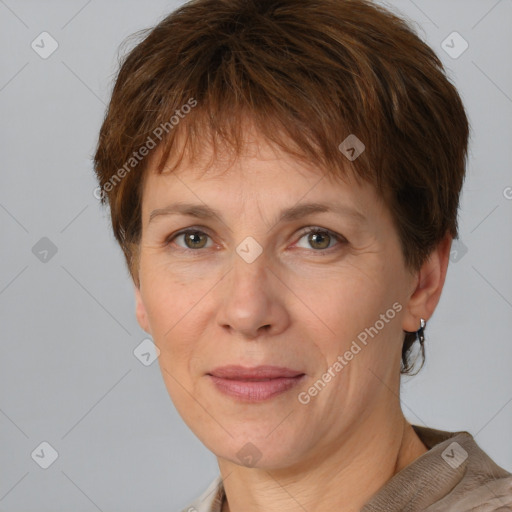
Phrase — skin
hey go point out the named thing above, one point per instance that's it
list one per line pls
(300, 304)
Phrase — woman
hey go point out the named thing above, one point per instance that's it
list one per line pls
(283, 178)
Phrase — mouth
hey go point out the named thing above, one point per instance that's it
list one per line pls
(254, 384)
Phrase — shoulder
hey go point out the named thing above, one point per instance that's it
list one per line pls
(210, 500)
(480, 485)
(484, 496)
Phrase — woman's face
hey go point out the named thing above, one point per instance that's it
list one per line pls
(251, 287)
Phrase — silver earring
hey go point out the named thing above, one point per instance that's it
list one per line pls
(419, 333)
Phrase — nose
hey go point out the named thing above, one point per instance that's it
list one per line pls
(252, 300)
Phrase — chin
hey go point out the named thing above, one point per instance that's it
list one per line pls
(255, 449)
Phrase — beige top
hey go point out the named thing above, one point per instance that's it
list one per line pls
(455, 475)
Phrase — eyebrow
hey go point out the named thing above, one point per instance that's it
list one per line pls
(290, 214)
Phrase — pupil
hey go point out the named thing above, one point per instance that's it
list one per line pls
(192, 237)
(321, 235)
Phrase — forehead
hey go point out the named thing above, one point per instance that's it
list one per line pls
(261, 177)
(220, 162)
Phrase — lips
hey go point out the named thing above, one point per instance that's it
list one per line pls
(257, 384)
(258, 373)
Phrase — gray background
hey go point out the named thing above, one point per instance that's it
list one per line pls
(68, 330)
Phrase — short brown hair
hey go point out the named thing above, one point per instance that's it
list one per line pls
(307, 73)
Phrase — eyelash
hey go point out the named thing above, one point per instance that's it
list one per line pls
(312, 229)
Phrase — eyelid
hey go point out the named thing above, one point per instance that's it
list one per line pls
(317, 229)
(173, 236)
(304, 231)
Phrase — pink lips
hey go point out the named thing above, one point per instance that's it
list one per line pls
(254, 384)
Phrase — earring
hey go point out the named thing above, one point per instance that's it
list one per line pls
(419, 332)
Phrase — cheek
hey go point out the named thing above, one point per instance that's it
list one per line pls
(172, 308)
(347, 301)
(358, 318)
(175, 316)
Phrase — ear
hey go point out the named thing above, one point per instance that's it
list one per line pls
(140, 310)
(429, 284)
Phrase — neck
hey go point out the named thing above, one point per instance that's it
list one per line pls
(342, 478)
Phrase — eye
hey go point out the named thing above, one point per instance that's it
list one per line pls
(193, 239)
(320, 238)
